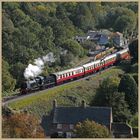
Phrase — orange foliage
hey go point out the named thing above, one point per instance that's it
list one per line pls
(21, 126)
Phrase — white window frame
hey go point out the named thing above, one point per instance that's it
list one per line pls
(71, 126)
(59, 126)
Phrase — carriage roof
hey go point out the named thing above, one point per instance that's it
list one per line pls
(69, 70)
(91, 63)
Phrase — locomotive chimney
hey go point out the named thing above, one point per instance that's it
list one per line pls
(54, 103)
(83, 104)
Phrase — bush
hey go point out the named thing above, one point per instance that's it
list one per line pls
(135, 132)
(135, 76)
(134, 68)
(90, 129)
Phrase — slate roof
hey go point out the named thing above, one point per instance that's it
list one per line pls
(73, 115)
(103, 39)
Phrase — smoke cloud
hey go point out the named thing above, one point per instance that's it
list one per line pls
(35, 69)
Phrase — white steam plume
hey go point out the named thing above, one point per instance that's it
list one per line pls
(35, 69)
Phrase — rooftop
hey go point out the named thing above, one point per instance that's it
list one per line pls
(73, 115)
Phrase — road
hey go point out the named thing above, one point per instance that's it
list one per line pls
(16, 98)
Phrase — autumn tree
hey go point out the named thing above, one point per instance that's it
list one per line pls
(21, 126)
(90, 129)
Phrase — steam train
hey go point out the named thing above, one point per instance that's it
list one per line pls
(43, 82)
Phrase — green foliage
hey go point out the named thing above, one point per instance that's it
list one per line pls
(89, 45)
(107, 95)
(126, 65)
(105, 91)
(66, 59)
(135, 76)
(135, 132)
(120, 110)
(30, 30)
(66, 95)
(83, 17)
(8, 83)
(133, 48)
(74, 47)
(124, 23)
(17, 71)
(90, 129)
(129, 87)
(134, 68)
(122, 19)
(134, 121)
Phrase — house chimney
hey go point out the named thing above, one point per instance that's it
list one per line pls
(54, 103)
(83, 104)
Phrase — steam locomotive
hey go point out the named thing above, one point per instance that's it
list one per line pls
(43, 82)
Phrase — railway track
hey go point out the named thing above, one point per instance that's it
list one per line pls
(18, 97)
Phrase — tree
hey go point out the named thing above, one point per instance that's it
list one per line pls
(47, 39)
(124, 24)
(89, 45)
(31, 30)
(21, 126)
(8, 83)
(66, 59)
(135, 76)
(107, 95)
(129, 87)
(74, 47)
(105, 90)
(133, 48)
(17, 71)
(121, 16)
(83, 17)
(90, 129)
(120, 110)
(134, 120)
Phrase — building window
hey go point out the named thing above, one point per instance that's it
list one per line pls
(71, 126)
(59, 126)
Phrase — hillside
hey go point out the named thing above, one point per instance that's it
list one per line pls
(33, 30)
(67, 95)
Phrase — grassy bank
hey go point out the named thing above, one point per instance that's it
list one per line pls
(67, 95)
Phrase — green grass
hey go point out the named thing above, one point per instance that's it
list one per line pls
(66, 95)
